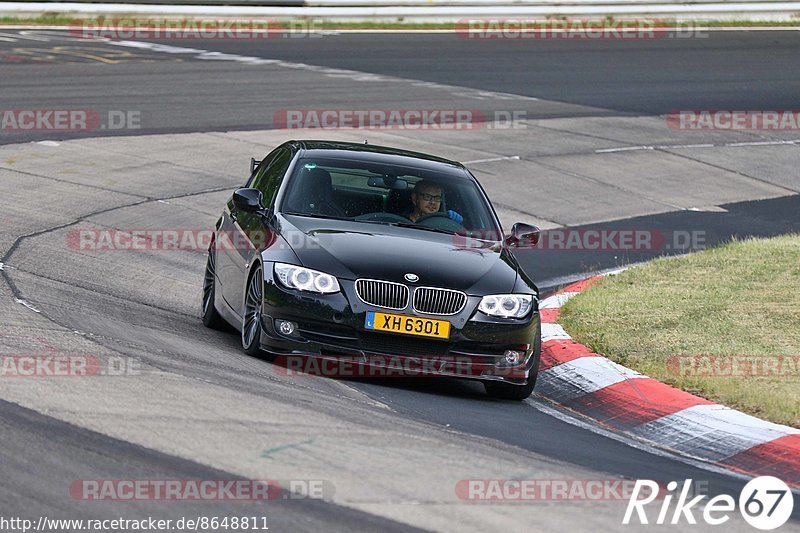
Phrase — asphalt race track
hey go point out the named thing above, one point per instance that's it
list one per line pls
(175, 92)
(591, 149)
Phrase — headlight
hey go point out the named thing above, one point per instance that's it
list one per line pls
(506, 305)
(305, 279)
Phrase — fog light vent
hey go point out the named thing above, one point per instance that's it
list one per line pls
(513, 357)
(285, 327)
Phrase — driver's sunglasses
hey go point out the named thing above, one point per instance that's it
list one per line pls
(430, 198)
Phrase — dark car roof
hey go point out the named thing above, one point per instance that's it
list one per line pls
(376, 154)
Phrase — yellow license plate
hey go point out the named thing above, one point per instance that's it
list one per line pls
(409, 325)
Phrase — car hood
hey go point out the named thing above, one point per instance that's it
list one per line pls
(352, 250)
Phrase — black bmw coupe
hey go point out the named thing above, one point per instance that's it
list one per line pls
(374, 255)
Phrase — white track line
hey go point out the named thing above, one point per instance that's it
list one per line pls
(628, 440)
(680, 146)
(551, 331)
(22, 35)
(26, 304)
(557, 300)
(491, 159)
(353, 75)
(623, 149)
(579, 377)
(715, 431)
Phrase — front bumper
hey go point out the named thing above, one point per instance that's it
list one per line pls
(330, 328)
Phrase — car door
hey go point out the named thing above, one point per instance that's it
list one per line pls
(249, 233)
(225, 252)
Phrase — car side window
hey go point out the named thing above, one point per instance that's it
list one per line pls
(268, 178)
(261, 166)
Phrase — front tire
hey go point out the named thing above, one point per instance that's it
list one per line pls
(251, 323)
(509, 391)
(211, 318)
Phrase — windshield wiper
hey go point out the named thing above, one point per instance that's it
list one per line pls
(415, 226)
(314, 215)
(382, 222)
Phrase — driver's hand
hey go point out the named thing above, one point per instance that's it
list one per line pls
(455, 216)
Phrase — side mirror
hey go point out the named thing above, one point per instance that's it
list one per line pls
(523, 234)
(248, 200)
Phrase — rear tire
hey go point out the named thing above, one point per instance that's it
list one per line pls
(251, 323)
(211, 318)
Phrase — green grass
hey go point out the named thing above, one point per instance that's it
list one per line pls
(44, 20)
(59, 19)
(741, 299)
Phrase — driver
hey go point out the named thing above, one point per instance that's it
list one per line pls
(427, 197)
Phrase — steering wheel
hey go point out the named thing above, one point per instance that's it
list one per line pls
(380, 216)
(440, 220)
(429, 216)
(330, 209)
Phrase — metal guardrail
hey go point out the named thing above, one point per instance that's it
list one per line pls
(553, 4)
(267, 3)
(431, 11)
(384, 4)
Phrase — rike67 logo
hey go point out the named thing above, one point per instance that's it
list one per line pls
(765, 503)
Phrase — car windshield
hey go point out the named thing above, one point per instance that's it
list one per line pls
(390, 194)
